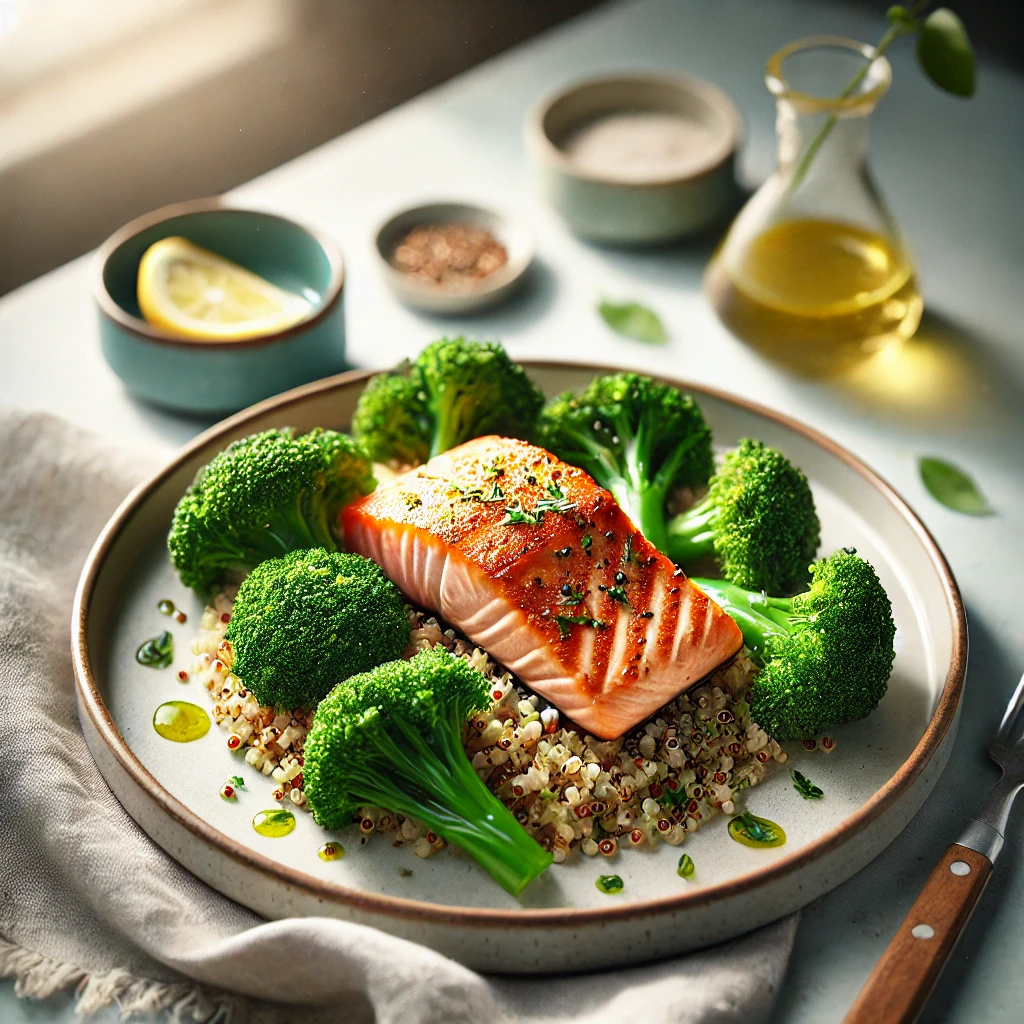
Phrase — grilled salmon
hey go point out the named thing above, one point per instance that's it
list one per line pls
(538, 565)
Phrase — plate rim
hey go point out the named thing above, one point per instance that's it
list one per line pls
(91, 701)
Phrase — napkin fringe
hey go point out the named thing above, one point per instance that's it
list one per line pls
(39, 977)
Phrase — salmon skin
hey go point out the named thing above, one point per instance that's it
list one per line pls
(539, 566)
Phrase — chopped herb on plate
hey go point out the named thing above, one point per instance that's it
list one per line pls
(803, 785)
(565, 621)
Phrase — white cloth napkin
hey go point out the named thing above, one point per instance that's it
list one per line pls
(88, 901)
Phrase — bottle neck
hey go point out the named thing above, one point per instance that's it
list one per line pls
(845, 146)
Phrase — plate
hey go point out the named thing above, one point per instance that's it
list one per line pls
(874, 780)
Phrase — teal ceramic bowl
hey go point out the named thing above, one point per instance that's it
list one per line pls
(221, 376)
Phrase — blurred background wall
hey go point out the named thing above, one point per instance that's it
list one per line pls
(109, 108)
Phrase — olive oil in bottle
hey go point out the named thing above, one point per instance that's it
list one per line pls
(813, 271)
(809, 289)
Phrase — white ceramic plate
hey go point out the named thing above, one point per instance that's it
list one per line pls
(879, 774)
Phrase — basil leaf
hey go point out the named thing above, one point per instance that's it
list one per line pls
(953, 488)
(632, 320)
(944, 52)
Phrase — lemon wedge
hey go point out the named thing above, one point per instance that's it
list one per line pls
(195, 293)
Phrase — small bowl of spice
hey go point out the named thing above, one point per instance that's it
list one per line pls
(453, 257)
(636, 159)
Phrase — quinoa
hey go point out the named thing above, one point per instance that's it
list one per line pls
(658, 783)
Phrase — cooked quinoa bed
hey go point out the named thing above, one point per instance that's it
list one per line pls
(662, 780)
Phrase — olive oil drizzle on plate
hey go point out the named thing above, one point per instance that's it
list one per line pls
(181, 721)
(758, 833)
(273, 824)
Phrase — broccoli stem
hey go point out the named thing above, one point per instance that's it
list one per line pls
(453, 412)
(757, 615)
(638, 495)
(643, 493)
(435, 783)
(650, 515)
(291, 531)
(691, 534)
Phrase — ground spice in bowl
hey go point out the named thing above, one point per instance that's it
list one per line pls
(449, 254)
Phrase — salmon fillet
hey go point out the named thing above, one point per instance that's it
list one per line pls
(539, 566)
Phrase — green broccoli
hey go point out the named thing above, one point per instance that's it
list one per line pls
(303, 622)
(456, 390)
(392, 738)
(758, 518)
(265, 495)
(391, 419)
(826, 654)
(636, 437)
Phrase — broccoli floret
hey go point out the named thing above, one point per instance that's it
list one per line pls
(392, 738)
(636, 437)
(456, 390)
(757, 518)
(826, 654)
(472, 388)
(304, 622)
(265, 495)
(391, 419)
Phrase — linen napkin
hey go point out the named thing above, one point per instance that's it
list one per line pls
(87, 901)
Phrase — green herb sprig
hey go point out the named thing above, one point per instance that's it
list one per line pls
(556, 501)
(516, 515)
(476, 493)
(943, 51)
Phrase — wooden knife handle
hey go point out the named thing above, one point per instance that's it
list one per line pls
(904, 977)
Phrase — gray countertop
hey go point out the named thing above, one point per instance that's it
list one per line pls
(951, 173)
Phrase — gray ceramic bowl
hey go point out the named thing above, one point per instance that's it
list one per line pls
(221, 376)
(605, 207)
(475, 295)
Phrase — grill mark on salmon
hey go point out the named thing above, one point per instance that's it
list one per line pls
(450, 549)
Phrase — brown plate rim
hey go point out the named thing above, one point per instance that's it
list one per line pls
(99, 716)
